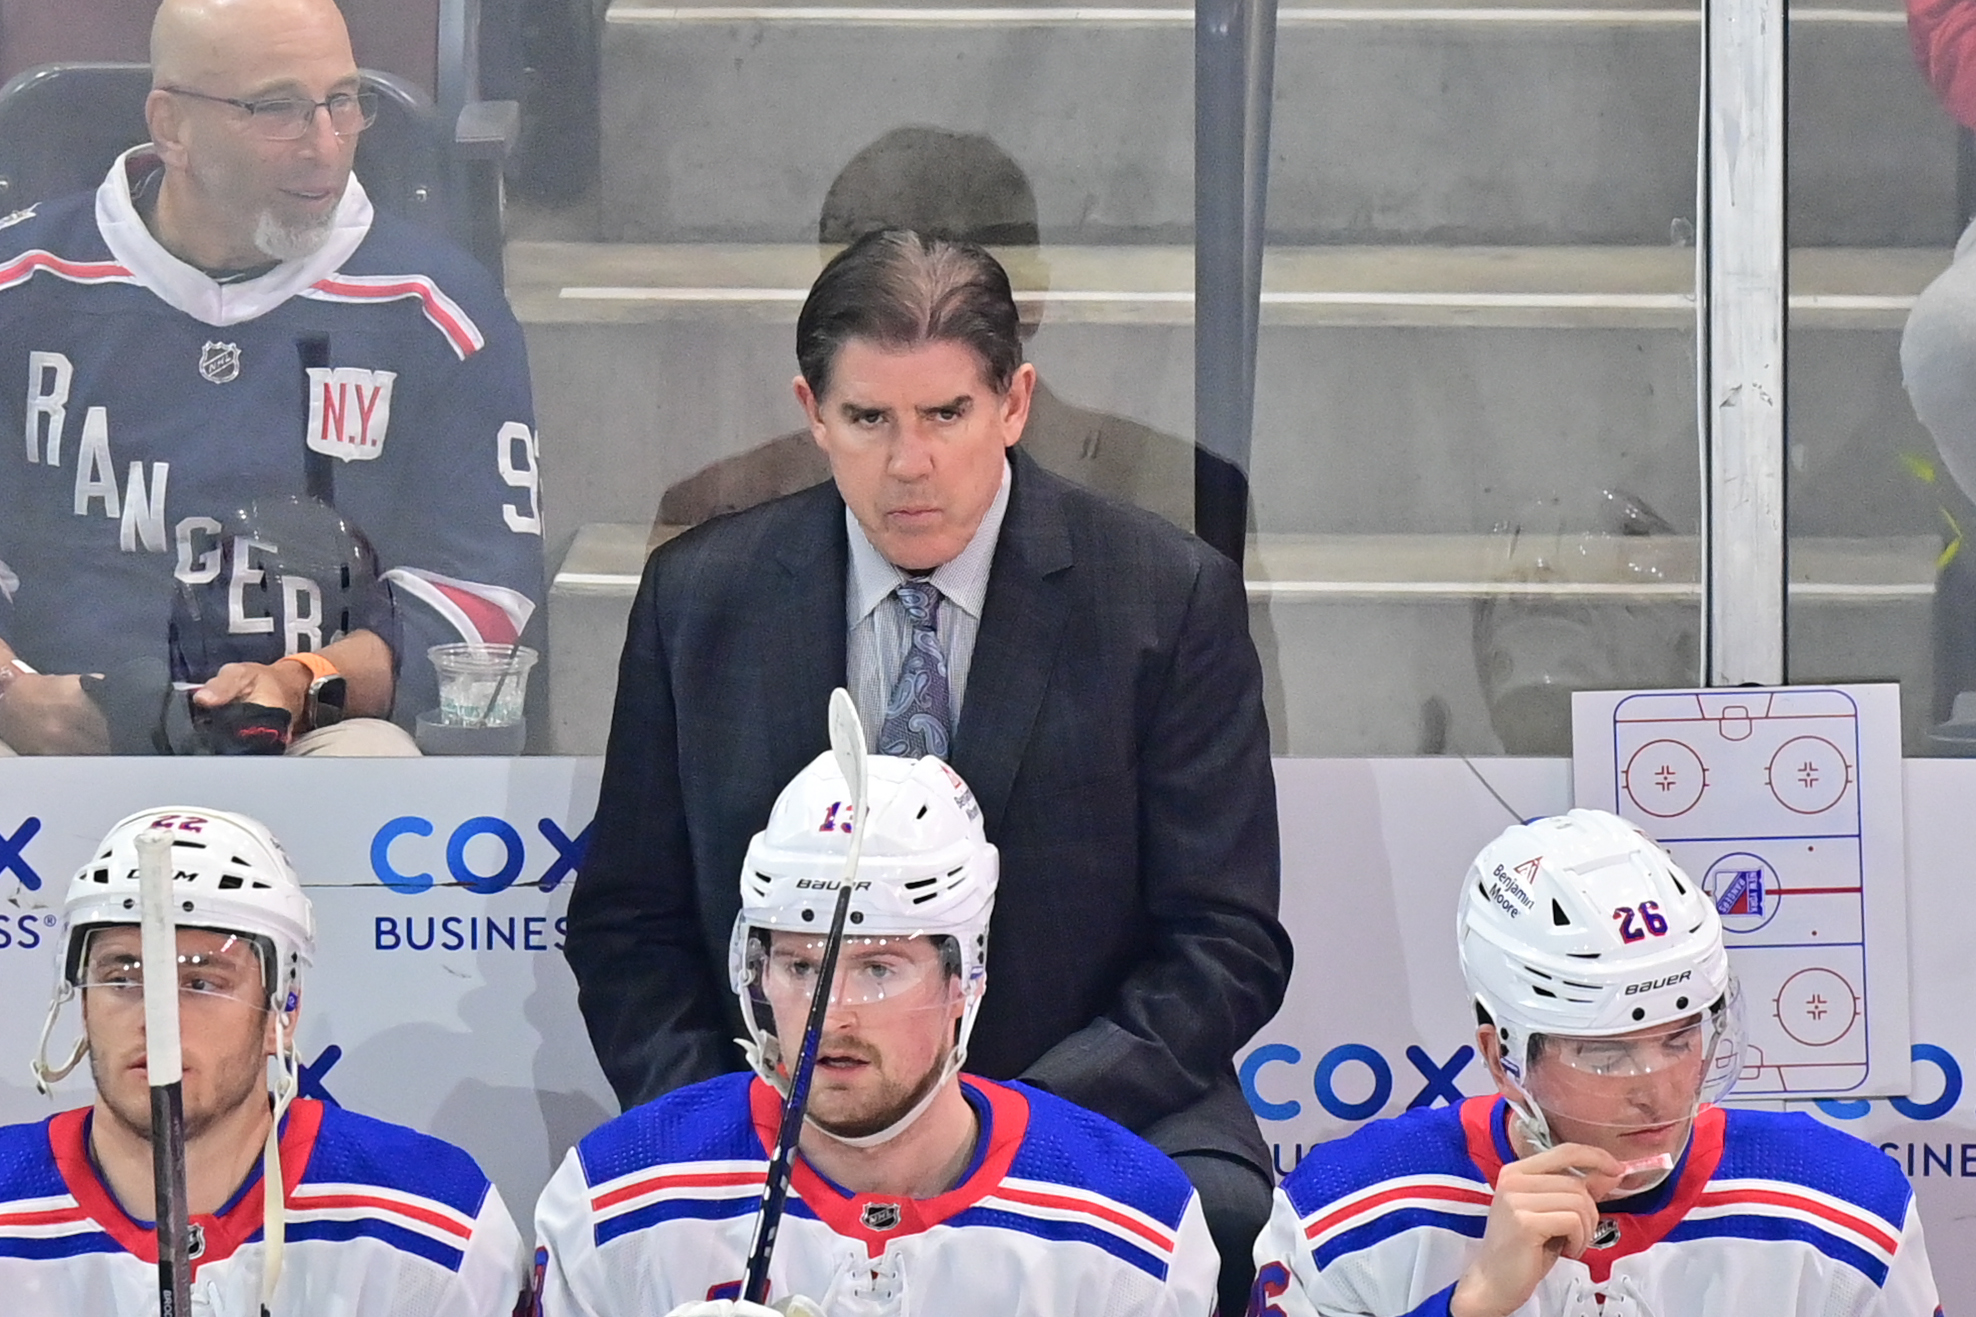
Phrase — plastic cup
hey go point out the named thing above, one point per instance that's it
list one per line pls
(481, 685)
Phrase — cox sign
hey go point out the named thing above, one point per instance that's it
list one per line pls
(398, 861)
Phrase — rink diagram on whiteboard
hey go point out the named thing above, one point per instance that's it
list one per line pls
(1757, 795)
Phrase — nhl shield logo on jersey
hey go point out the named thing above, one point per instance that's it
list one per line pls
(349, 408)
(880, 1216)
(219, 363)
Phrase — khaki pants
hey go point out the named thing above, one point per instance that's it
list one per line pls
(359, 738)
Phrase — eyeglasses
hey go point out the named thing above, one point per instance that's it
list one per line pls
(288, 118)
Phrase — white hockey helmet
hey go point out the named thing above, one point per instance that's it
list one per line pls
(1580, 927)
(927, 870)
(230, 875)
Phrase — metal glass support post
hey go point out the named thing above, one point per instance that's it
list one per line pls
(1234, 73)
(1742, 342)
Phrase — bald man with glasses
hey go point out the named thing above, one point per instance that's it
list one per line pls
(227, 320)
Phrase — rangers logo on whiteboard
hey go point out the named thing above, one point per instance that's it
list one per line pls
(349, 410)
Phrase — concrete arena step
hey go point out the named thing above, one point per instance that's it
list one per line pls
(1399, 390)
(1478, 122)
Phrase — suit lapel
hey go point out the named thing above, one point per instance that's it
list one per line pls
(1021, 625)
(813, 554)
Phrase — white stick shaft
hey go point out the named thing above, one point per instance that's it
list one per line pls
(162, 1057)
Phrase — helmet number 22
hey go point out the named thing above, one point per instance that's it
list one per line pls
(1648, 915)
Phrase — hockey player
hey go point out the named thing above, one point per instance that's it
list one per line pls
(374, 1219)
(1600, 1181)
(224, 320)
(918, 1190)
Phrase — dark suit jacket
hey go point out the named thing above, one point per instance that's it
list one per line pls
(1113, 732)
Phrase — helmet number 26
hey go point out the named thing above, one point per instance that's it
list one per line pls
(1648, 915)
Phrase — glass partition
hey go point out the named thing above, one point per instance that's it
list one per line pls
(1475, 463)
(741, 146)
(1877, 413)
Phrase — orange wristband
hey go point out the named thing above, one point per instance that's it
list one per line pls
(318, 666)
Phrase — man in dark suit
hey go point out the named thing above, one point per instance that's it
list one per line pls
(1085, 665)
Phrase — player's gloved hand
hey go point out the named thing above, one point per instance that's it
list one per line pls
(1545, 1207)
(793, 1306)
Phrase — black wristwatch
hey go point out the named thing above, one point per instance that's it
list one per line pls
(324, 705)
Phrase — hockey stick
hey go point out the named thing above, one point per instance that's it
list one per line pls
(847, 743)
(162, 1065)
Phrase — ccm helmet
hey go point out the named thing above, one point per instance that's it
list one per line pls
(1580, 927)
(230, 875)
(927, 870)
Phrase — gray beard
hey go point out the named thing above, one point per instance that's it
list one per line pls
(284, 242)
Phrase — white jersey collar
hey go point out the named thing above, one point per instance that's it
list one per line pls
(192, 291)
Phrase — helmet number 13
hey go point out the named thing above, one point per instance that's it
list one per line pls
(1649, 920)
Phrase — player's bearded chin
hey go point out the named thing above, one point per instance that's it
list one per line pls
(282, 241)
(882, 1118)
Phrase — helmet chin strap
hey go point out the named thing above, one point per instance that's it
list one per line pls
(46, 1076)
(274, 1189)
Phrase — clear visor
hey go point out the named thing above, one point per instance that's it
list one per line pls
(891, 972)
(215, 971)
(1637, 1091)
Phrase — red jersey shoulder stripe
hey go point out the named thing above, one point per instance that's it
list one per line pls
(1443, 1193)
(444, 313)
(354, 1200)
(686, 1180)
(36, 1216)
(1061, 1201)
(30, 263)
(1771, 1198)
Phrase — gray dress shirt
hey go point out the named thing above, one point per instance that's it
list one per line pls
(877, 621)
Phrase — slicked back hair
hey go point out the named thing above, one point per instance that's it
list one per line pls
(899, 290)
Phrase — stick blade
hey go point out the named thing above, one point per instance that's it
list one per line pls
(847, 744)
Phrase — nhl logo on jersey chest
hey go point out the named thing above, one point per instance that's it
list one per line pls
(219, 363)
(880, 1216)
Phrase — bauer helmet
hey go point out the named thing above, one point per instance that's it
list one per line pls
(1579, 927)
(927, 870)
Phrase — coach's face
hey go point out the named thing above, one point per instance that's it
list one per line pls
(916, 439)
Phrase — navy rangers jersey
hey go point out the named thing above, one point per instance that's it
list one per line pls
(153, 402)
(382, 1222)
(1063, 1214)
(1766, 1213)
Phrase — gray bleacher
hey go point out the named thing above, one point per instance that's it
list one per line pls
(1476, 325)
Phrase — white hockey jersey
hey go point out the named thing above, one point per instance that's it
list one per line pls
(382, 1222)
(1063, 1214)
(1767, 1215)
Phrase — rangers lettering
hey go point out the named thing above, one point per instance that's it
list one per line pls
(49, 375)
(245, 573)
(143, 520)
(95, 471)
(302, 624)
(205, 566)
